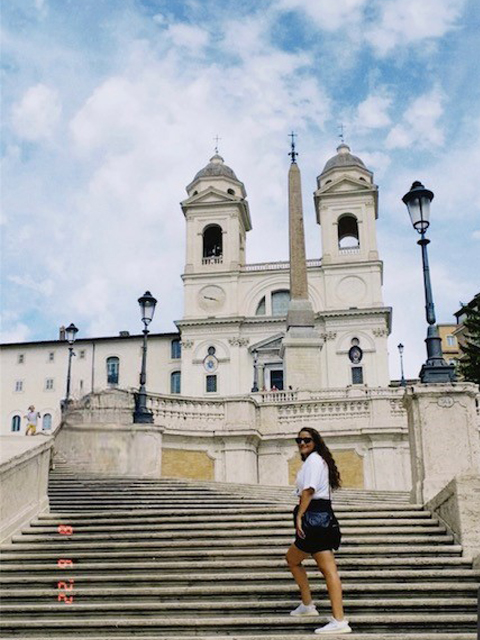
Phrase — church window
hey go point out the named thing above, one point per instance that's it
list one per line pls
(231, 192)
(357, 375)
(51, 356)
(47, 421)
(16, 420)
(280, 301)
(261, 307)
(211, 351)
(211, 384)
(175, 382)
(21, 358)
(113, 370)
(18, 386)
(175, 349)
(212, 244)
(348, 232)
(451, 341)
(49, 384)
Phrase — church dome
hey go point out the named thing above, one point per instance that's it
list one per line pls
(216, 167)
(343, 159)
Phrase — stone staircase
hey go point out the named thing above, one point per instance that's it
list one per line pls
(179, 560)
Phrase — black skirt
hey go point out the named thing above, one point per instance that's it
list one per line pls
(320, 539)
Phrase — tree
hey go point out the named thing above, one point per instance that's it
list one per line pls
(469, 364)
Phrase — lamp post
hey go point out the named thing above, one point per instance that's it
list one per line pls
(435, 369)
(400, 348)
(70, 333)
(255, 371)
(147, 308)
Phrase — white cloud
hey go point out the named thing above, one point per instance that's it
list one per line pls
(420, 123)
(372, 113)
(404, 22)
(188, 36)
(18, 333)
(36, 115)
(476, 235)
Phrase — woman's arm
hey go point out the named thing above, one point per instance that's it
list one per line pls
(305, 500)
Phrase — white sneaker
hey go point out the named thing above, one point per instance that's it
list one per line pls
(305, 610)
(335, 626)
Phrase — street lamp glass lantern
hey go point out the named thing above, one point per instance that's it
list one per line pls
(147, 307)
(70, 333)
(400, 348)
(418, 204)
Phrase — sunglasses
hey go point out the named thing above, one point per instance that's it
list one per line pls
(305, 440)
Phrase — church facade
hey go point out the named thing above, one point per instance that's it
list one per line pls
(219, 394)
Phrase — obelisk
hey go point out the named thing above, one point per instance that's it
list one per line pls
(302, 343)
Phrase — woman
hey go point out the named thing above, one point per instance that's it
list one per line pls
(316, 478)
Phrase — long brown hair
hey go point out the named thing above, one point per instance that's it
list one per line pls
(322, 449)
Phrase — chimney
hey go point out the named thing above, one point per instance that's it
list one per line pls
(61, 333)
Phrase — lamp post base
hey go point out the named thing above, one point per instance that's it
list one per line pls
(437, 372)
(143, 417)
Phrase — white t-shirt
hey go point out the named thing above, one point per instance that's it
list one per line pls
(314, 474)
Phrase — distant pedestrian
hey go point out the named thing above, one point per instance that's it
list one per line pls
(32, 417)
(317, 530)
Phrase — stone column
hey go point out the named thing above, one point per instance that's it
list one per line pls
(443, 433)
(301, 346)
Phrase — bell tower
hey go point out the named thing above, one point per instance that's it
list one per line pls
(346, 205)
(217, 217)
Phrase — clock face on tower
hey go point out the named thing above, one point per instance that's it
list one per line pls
(211, 297)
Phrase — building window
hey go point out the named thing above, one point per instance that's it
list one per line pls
(51, 356)
(81, 385)
(49, 384)
(357, 375)
(19, 385)
(175, 382)
(81, 354)
(276, 380)
(16, 421)
(21, 358)
(113, 369)
(175, 349)
(451, 341)
(261, 310)
(280, 301)
(47, 421)
(212, 244)
(348, 232)
(211, 384)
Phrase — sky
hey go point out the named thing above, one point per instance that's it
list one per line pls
(110, 107)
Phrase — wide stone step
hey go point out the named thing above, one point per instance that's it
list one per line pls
(236, 607)
(248, 590)
(264, 536)
(244, 624)
(206, 578)
(292, 633)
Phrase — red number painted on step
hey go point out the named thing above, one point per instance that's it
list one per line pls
(66, 599)
(66, 587)
(63, 562)
(65, 529)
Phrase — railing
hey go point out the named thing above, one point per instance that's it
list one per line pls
(282, 264)
(349, 250)
(213, 260)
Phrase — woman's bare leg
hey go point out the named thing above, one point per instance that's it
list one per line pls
(327, 565)
(294, 558)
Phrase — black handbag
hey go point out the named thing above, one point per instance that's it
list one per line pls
(323, 524)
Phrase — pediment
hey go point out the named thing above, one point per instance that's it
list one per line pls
(347, 183)
(272, 343)
(208, 196)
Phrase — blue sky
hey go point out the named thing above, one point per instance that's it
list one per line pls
(110, 107)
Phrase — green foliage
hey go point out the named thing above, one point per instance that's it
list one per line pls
(469, 364)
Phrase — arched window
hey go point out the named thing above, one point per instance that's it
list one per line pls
(261, 307)
(16, 421)
(212, 243)
(348, 232)
(113, 370)
(175, 382)
(175, 349)
(47, 421)
(280, 300)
